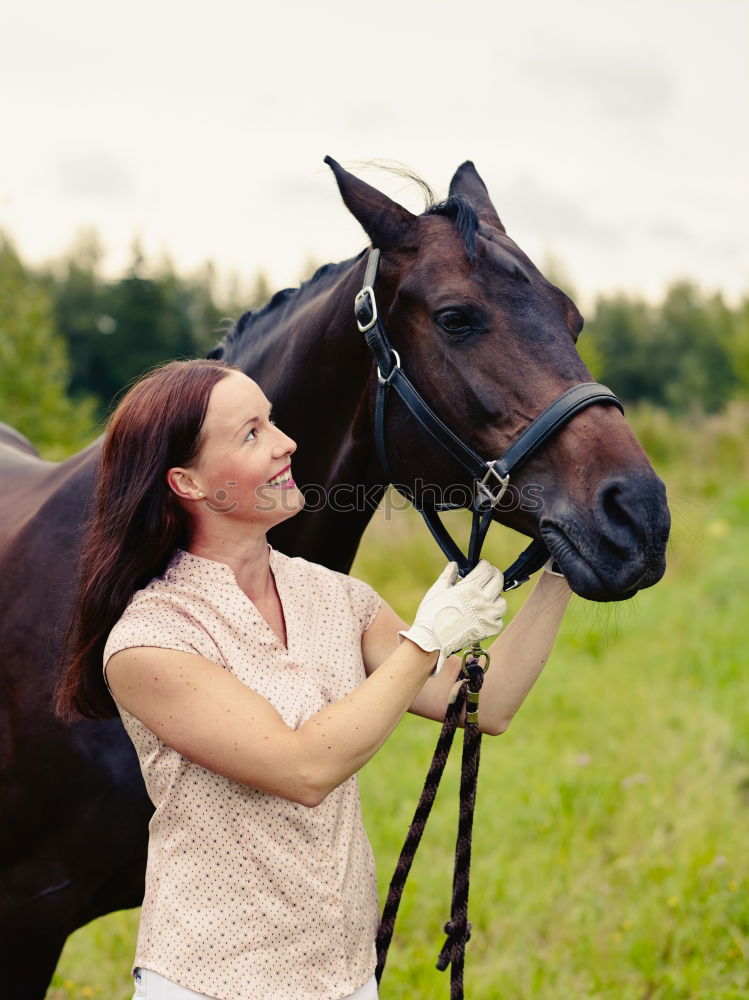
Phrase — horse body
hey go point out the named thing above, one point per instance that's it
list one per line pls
(73, 800)
(487, 339)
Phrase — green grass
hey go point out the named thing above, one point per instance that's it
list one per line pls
(610, 854)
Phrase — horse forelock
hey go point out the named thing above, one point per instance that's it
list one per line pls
(463, 215)
(455, 207)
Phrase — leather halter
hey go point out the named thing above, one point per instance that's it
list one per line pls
(491, 478)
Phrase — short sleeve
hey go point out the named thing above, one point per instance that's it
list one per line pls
(153, 619)
(365, 601)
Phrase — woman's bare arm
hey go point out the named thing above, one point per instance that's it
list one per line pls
(520, 653)
(518, 656)
(209, 716)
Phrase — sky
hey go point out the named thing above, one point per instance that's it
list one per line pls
(613, 136)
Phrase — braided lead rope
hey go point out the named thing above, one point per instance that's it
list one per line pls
(457, 928)
(415, 831)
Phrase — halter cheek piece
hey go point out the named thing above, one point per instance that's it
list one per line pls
(491, 478)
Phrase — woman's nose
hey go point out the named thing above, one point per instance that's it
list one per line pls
(285, 445)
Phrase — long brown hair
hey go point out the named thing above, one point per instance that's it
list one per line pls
(137, 522)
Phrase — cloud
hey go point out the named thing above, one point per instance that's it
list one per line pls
(711, 244)
(671, 231)
(630, 87)
(531, 206)
(94, 174)
(306, 188)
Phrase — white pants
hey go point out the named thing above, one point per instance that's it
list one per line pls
(150, 985)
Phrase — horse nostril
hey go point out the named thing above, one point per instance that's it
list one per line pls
(631, 512)
(613, 506)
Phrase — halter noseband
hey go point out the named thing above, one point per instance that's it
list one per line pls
(491, 478)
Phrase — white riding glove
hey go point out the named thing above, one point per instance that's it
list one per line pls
(455, 613)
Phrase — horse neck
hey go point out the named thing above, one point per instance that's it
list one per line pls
(312, 362)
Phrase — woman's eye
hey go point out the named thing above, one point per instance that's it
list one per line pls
(253, 433)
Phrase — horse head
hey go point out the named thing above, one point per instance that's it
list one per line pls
(490, 342)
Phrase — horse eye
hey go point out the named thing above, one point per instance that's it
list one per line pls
(454, 321)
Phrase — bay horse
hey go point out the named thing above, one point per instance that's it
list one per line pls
(485, 337)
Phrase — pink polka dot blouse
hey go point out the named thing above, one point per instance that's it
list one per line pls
(249, 895)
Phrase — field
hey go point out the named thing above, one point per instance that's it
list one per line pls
(610, 851)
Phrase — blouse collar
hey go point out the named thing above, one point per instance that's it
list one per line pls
(183, 557)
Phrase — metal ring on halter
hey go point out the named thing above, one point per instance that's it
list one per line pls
(359, 301)
(397, 364)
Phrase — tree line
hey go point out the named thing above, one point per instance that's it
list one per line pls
(71, 339)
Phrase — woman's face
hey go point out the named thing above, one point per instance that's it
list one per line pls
(244, 464)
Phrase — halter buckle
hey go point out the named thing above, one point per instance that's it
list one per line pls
(483, 489)
(365, 300)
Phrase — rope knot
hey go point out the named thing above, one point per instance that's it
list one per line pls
(458, 936)
(475, 674)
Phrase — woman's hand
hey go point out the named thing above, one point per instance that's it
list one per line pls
(455, 613)
(517, 656)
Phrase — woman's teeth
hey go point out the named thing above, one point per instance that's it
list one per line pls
(280, 479)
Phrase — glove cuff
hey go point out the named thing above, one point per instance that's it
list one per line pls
(425, 640)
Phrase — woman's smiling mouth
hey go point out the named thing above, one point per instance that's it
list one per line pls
(283, 480)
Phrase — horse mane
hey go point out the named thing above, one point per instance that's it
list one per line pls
(457, 209)
(253, 317)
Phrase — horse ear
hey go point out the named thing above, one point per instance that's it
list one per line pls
(467, 184)
(385, 221)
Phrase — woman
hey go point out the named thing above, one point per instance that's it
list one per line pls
(254, 686)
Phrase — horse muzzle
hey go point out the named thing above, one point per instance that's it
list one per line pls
(610, 551)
